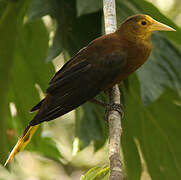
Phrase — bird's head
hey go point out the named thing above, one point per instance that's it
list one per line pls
(141, 26)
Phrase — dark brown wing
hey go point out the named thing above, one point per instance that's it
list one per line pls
(57, 75)
(78, 82)
(68, 64)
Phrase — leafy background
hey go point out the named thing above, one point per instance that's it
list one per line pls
(37, 36)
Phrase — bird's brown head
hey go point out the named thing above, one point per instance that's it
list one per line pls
(141, 26)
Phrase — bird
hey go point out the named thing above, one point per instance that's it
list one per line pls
(104, 62)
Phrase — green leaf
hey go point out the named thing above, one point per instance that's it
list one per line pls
(97, 173)
(56, 48)
(88, 6)
(3, 5)
(47, 147)
(39, 8)
(26, 69)
(72, 32)
(91, 126)
(156, 130)
(160, 71)
(35, 52)
(10, 22)
(26, 72)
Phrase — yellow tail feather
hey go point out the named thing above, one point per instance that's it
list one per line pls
(22, 142)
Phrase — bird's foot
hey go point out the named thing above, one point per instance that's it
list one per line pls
(109, 107)
(114, 107)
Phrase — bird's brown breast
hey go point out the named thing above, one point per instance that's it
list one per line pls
(137, 54)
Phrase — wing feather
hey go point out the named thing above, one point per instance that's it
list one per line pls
(80, 80)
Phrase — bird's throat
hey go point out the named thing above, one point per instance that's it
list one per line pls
(132, 36)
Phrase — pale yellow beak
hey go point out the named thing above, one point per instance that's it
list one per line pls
(157, 26)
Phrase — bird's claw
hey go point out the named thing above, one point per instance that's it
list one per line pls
(114, 107)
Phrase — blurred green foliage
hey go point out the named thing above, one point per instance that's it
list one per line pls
(96, 173)
(152, 100)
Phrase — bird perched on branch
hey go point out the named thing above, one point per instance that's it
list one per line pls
(104, 62)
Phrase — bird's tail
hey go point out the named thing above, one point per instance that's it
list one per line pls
(22, 142)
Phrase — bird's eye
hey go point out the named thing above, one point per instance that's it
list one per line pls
(143, 23)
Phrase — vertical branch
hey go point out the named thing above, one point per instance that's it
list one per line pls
(114, 117)
(110, 16)
(115, 130)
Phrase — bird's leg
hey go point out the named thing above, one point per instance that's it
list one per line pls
(109, 107)
(114, 107)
